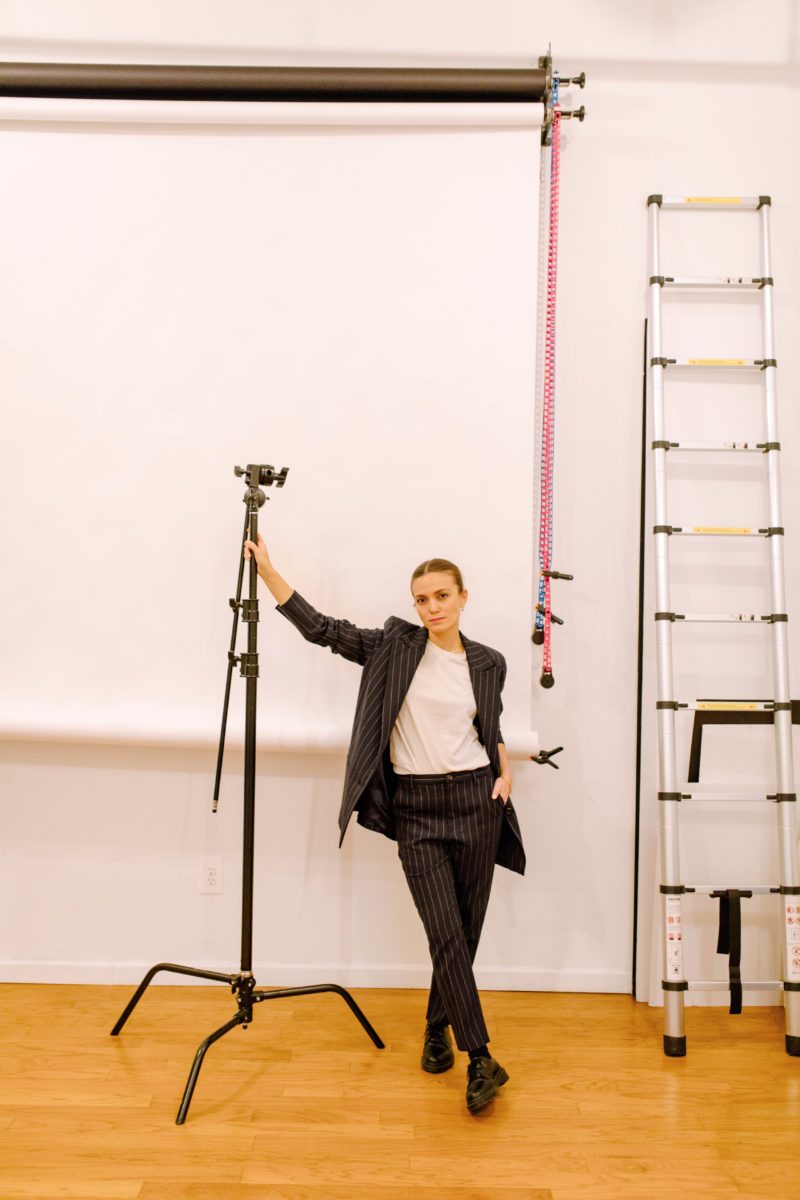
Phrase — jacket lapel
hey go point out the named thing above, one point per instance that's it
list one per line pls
(481, 673)
(478, 657)
(407, 652)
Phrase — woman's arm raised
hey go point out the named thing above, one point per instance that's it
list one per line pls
(275, 582)
(342, 637)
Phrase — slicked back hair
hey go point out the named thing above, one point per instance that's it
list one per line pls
(439, 564)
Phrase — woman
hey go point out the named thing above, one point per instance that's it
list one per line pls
(427, 766)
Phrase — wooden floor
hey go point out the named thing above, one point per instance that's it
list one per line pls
(301, 1106)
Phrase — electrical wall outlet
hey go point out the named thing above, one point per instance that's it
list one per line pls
(211, 877)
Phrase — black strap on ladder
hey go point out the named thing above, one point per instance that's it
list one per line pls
(729, 940)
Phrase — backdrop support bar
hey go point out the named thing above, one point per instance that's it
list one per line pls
(123, 81)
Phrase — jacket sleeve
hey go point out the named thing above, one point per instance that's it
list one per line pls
(340, 636)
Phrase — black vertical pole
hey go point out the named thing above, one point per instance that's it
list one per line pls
(236, 606)
(640, 663)
(251, 685)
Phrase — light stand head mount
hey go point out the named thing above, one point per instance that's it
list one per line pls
(262, 475)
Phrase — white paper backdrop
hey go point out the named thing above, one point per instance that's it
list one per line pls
(346, 302)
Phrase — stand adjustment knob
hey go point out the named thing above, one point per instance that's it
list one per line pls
(248, 666)
(249, 610)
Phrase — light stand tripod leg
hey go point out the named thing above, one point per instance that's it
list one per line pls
(311, 990)
(240, 1019)
(197, 972)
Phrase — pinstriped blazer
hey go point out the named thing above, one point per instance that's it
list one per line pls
(390, 656)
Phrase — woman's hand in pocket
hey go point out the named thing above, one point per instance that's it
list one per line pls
(502, 789)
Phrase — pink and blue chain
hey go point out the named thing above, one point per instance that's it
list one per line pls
(543, 621)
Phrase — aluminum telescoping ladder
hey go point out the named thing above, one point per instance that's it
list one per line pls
(671, 794)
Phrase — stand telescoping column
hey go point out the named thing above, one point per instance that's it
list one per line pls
(242, 983)
(670, 794)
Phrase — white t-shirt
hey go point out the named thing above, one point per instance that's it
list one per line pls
(434, 732)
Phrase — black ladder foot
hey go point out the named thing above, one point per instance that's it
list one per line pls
(674, 1047)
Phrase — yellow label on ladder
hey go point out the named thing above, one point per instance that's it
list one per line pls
(721, 529)
(717, 362)
(726, 706)
(713, 199)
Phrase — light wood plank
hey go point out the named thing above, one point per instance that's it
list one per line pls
(349, 1191)
(54, 1189)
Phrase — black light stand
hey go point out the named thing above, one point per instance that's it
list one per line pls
(242, 983)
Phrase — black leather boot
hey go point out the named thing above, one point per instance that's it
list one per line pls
(485, 1077)
(437, 1049)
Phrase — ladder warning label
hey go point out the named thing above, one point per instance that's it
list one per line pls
(792, 915)
(673, 932)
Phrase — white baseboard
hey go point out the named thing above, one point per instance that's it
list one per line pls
(366, 975)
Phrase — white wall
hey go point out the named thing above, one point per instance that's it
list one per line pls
(103, 842)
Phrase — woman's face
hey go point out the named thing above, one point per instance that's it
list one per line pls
(438, 601)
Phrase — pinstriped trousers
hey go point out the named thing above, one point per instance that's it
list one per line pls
(448, 828)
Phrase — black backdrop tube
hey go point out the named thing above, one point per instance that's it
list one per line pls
(96, 81)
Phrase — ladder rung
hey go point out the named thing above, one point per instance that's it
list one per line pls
(727, 706)
(759, 889)
(715, 282)
(752, 447)
(749, 797)
(742, 203)
(719, 531)
(736, 364)
(723, 985)
(736, 618)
